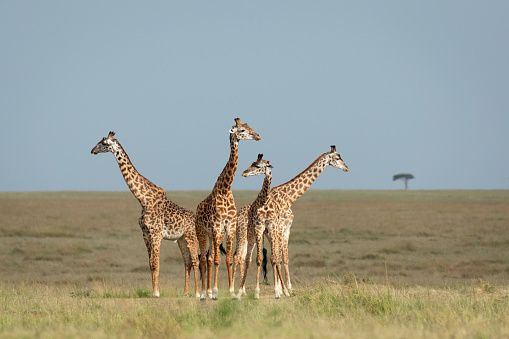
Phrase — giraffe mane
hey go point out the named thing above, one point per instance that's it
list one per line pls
(298, 175)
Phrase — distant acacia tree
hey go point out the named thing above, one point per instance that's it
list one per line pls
(403, 176)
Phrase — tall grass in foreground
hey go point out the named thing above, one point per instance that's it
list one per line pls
(346, 308)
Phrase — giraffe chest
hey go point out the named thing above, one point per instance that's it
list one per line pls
(265, 212)
(223, 208)
(265, 215)
(217, 213)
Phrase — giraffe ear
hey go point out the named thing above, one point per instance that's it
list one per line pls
(111, 135)
(333, 148)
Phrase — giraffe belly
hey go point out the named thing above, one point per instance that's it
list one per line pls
(172, 235)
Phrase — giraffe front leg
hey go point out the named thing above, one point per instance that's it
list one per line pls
(217, 262)
(286, 263)
(243, 266)
(273, 261)
(281, 285)
(245, 257)
(259, 259)
(153, 246)
(210, 264)
(230, 237)
(202, 241)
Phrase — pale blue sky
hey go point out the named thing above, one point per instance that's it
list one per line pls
(398, 86)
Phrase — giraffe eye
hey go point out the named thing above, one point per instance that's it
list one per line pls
(242, 130)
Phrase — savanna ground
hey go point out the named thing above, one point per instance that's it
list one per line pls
(364, 264)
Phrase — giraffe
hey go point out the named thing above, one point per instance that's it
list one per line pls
(217, 214)
(253, 220)
(160, 217)
(286, 194)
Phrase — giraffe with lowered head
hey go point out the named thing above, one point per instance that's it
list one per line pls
(160, 217)
(217, 214)
(253, 220)
(286, 194)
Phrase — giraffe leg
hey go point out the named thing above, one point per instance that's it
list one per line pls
(210, 263)
(259, 259)
(243, 267)
(229, 255)
(242, 235)
(202, 242)
(217, 261)
(187, 262)
(286, 262)
(281, 286)
(153, 243)
(193, 251)
(237, 260)
(235, 263)
(245, 257)
(273, 261)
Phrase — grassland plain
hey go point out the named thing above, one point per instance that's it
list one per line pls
(384, 264)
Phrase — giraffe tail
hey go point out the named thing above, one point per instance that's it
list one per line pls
(264, 266)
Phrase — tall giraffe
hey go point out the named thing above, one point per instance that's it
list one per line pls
(286, 194)
(253, 220)
(160, 217)
(217, 214)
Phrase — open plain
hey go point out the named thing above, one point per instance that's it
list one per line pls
(364, 264)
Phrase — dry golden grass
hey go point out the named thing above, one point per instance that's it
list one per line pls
(364, 263)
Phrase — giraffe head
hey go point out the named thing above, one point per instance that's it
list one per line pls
(335, 159)
(258, 167)
(243, 132)
(107, 144)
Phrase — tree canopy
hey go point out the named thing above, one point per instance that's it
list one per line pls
(403, 176)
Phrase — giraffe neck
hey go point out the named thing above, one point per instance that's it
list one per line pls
(295, 188)
(263, 196)
(224, 181)
(141, 187)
